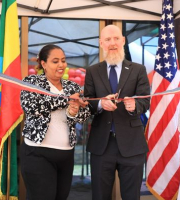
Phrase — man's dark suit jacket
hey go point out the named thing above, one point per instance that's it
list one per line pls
(128, 127)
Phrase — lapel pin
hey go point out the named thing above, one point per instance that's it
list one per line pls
(126, 68)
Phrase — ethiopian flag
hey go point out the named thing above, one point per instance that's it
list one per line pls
(11, 113)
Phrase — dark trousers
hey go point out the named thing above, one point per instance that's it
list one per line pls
(103, 168)
(47, 172)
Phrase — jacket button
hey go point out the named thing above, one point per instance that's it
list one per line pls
(109, 122)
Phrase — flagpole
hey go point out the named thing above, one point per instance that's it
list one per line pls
(8, 168)
(178, 198)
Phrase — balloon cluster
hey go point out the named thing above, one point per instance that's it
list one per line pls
(76, 75)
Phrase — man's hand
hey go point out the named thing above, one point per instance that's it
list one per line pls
(108, 104)
(129, 104)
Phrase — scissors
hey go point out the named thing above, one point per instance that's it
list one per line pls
(116, 99)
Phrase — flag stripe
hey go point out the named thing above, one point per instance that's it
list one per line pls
(159, 79)
(162, 122)
(166, 187)
(170, 171)
(163, 160)
(11, 37)
(160, 102)
(170, 189)
(157, 116)
(162, 141)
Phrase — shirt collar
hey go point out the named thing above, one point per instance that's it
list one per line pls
(119, 65)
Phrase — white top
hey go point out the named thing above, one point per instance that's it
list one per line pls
(57, 136)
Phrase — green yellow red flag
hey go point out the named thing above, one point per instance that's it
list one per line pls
(11, 113)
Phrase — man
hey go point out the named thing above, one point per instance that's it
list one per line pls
(116, 139)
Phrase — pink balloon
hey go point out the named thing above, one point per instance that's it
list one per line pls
(83, 76)
(71, 72)
(78, 72)
(77, 80)
(32, 71)
(72, 79)
(31, 67)
(82, 69)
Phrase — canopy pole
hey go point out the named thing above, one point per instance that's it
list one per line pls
(8, 168)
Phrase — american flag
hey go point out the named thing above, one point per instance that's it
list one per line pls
(163, 136)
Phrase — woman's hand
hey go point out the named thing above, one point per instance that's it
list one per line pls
(74, 104)
(73, 110)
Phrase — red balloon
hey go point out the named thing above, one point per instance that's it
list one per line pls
(82, 82)
(32, 71)
(71, 73)
(78, 72)
(77, 80)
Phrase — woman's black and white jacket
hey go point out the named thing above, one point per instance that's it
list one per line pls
(38, 108)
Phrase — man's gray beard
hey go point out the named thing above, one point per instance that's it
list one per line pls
(114, 58)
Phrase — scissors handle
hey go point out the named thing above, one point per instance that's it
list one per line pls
(116, 99)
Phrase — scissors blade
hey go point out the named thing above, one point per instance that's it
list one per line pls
(116, 100)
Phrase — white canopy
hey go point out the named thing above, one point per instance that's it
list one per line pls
(95, 9)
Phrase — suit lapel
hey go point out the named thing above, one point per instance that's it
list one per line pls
(126, 69)
(102, 70)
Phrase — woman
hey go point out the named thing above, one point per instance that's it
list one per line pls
(47, 153)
